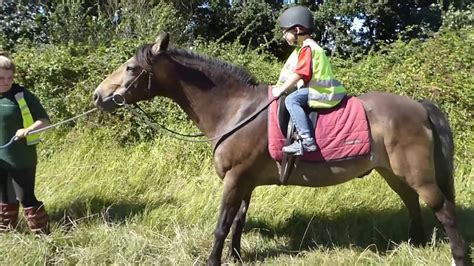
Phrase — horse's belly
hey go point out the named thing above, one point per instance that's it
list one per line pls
(330, 173)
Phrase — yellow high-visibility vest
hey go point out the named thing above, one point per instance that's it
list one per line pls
(324, 90)
(31, 139)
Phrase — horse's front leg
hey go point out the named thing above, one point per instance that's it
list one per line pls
(239, 223)
(234, 192)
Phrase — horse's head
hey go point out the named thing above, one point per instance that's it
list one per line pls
(131, 82)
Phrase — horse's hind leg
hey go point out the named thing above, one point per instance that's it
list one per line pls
(419, 174)
(239, 223)
(410, 199)
(444, 210)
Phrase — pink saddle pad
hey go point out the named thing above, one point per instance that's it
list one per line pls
(341, 132)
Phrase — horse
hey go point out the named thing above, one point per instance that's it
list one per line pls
(411, 141)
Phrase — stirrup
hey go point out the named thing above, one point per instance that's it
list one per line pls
(288, 160)
(296, 148)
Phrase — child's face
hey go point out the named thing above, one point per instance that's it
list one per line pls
(6, 79)
(290, 36)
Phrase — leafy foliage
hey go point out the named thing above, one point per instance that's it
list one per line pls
(21, 23)
(439, 69)
(458, 19)
(250, 23)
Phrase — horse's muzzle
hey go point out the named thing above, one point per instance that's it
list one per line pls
(107, 104)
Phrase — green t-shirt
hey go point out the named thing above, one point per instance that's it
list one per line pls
(18, 155)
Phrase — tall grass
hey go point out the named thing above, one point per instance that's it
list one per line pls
(158, 203)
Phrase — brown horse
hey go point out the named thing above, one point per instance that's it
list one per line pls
(412, 144)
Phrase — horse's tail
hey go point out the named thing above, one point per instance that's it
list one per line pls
(443, 149)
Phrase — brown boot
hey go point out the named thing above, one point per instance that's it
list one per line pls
(37, 219)
(8, 216)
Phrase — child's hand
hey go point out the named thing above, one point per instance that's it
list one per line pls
(277, 92)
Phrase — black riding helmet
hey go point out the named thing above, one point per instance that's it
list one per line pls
(297, 15)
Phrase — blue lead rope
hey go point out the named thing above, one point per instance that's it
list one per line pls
(13, 139)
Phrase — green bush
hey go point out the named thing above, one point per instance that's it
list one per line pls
(263, 66)
(22, 23)
(440, 69)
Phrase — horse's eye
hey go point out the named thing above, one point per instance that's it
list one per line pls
(131, 68)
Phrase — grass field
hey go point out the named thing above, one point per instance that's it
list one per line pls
(157, 203)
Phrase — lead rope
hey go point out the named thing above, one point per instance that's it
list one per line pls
(156, 126)
(15, 138)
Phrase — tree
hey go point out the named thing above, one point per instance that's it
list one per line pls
(22, 23)
(345, 28)
(356, 27)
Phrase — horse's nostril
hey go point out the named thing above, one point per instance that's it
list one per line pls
(95, 96)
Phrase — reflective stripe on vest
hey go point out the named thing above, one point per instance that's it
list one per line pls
(324, 90)
(27, 118)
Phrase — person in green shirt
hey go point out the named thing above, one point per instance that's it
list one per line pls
(20, 113)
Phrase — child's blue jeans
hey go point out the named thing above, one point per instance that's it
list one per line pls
(296, 103)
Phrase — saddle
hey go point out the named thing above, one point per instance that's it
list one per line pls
(341, 133)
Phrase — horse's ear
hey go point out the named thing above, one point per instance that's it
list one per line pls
(161, 43)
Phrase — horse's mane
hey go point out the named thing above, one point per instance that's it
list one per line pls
(145, 59)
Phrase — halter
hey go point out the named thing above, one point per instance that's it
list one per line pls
(119, 99)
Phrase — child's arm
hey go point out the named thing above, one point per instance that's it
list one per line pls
(290, 83)
(303, 72)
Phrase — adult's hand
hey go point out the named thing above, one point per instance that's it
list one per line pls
(22, 133)
(37, 125)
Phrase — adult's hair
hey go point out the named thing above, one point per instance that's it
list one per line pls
(297, 16)
(5, 61)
